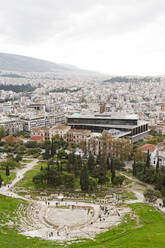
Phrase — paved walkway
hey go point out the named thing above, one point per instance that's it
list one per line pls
(7, 189)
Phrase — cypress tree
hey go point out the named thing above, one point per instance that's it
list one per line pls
(157, 166)
(52, 148)
(91, 163)
(134, 168)
(84, 179)
(108, 164)
(148, 159)
(111, 165)
(47, 149)
(99, 158)
(7, 171)
(0, 181)
(113, 172)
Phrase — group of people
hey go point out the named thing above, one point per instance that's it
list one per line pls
(50, 234)
(105, 213)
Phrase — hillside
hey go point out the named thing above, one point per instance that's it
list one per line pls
(18, 63)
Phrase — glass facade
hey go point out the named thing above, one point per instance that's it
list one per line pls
(102, 121)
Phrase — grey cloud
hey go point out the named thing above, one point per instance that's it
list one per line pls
(35, 21)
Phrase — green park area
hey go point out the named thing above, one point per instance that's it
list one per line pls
(27, 181)
(62, 170)
(7, 179)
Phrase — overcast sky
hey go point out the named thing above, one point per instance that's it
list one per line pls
(113, 36)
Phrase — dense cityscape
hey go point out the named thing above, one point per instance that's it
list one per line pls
(73, 134)
(82, 124)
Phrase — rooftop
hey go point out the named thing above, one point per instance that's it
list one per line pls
(40, 129)
(148, 147)
(115, 115)
(61, 127)
(36, 138)
(80, 131)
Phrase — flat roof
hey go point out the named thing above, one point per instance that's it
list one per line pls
(119, 134)
(106, 116)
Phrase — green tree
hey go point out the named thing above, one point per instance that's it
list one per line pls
(102, 173)
(47, 146)
(92, 184)
(112, 172)
(118, 180)
(84, 179)
(157, 166)
(31, 144)
(18, 158)
(99, 158)
(50, 162)
(2, 132)
(68, 180)
(108, 164)
(119, 165)
(68, 167)
(148, 159)
(152, 195)
(53, 147)
(61, 154)
(11, 164)
(32, 151)
(134, 168)
(91, 163)
(7, 171)
(1, 181)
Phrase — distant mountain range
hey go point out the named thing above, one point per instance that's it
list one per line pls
(19, 63)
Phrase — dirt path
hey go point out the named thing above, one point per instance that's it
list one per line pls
(137, 188)
(7, 189)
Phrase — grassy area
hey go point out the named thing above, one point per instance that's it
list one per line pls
(26, 161)
(27, 182)
(77, 183)
(42, 163)
(9, 178)
(9, 238)
(129, 195)
(149, 232)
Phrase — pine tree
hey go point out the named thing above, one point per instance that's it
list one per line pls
(84, 179)
(7, 171)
